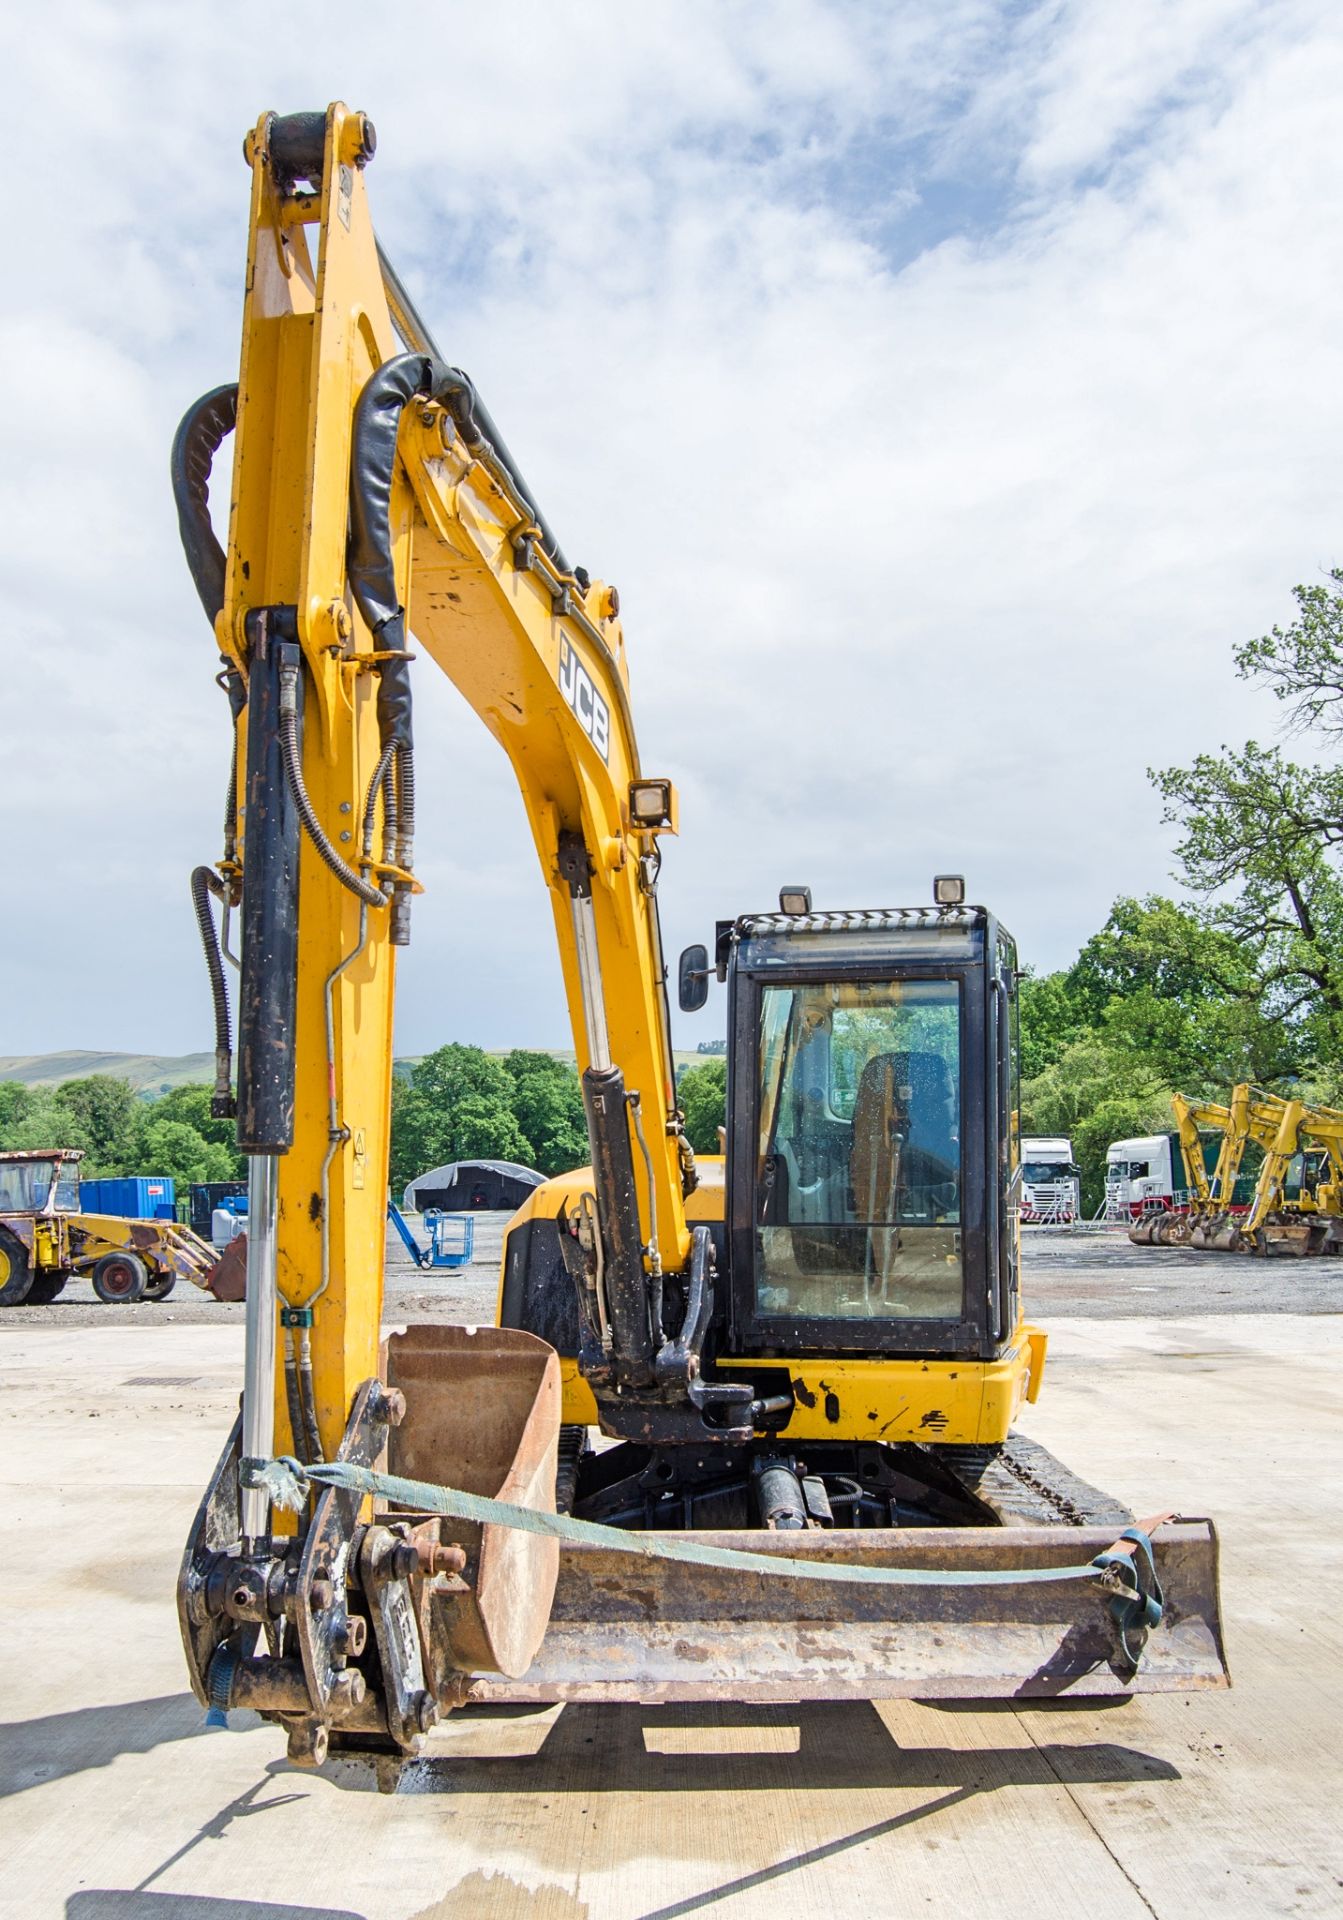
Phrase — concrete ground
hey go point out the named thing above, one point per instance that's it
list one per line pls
(116, 1805)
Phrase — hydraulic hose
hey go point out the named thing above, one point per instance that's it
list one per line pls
(381, 779)
(307, 1397)
(356, 884)
(203, 430)
(371, 563)
(231, 804)
(389, 804)
(297, 1420)
(204, 882)
(399, 929)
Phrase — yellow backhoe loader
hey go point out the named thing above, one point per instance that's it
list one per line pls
(45, 1237)
(744, 1426)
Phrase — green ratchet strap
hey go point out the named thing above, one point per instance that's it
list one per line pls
(1136, 1604)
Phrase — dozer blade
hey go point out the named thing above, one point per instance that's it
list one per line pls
(626, 1629)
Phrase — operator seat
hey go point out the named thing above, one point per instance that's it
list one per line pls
(904, 1140)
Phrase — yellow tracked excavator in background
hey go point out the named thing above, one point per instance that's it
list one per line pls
(1294, 1205)
(744, 1427)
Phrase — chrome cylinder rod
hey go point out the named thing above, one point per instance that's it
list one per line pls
(590, 979)
(258, 1392)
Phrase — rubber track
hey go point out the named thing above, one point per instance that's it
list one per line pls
(1026, 1486)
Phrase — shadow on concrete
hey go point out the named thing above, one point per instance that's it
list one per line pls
(814, 1856)
(602, 1749)
(34, 1751)
(841, 1744)
(141, 1903)
(105, 1903)
(595, 1750)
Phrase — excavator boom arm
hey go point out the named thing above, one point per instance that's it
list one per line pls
(374, 503)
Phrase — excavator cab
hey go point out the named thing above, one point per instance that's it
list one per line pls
(872, 1102)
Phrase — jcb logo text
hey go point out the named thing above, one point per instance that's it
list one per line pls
(594, 716)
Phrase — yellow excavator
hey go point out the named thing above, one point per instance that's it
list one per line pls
(1294, 1205)
(744, 1427)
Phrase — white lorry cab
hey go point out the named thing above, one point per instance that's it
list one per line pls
(1051, 1182)
(1144, 1176)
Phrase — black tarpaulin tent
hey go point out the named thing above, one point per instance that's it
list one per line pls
(496, 1185)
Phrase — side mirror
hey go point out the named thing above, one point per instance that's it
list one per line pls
(692, 979)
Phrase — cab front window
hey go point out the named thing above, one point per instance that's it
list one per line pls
(858, 1153)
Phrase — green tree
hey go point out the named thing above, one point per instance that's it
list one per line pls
(1051, 1017)
(107, 1111)
(458, 1106)
(176, 1148)
(1095, 1093)
(701, 1093)
(483, 1129)
(1303, 663)
(1261, 835)
(15, 1100)
(38, 1119)
(1182, 995)
(548, 1107)
(417, 1134)
(191, 1104)
(1259, 839)
(452, 1073)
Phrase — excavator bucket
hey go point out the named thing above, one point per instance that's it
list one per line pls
(626, 1629)
(483, 1414)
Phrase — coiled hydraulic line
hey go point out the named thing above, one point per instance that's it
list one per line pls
(354, 882)
(205, 882)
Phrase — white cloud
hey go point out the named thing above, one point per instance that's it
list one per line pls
(946, 389)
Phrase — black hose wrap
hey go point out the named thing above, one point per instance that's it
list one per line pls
(203, 430)
(204, 882)
(371, 567)
(370, 562)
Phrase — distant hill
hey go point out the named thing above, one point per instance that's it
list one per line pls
(148, 1073)
(152, 1073)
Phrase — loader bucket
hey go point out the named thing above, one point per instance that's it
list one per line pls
(483, 1414)
(228, 1276)
(626, 1629)
(1140, 1233)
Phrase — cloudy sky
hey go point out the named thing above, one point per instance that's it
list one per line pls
(946, 385)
